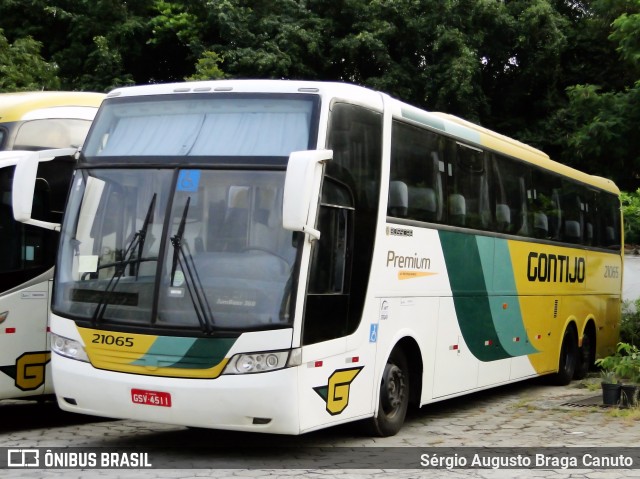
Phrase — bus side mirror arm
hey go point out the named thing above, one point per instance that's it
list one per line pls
(24, 184)
(301, 190)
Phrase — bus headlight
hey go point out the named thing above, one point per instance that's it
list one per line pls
(250, 363)
(68, 348)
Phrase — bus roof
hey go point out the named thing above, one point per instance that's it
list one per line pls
(44, 104)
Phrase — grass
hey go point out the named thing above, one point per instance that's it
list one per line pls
(524, 404)
(590, 383)
(630, 414)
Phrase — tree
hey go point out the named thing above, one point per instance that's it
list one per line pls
(631, 212)
(22, 68)
(558, 74)
(100, 44)
(208, 67)
(597, 129)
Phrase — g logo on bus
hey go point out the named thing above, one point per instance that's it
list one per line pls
(28, 372)
(336, 392)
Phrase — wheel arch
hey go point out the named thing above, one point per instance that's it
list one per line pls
(570, 324)
(409, 346)
(589, 329)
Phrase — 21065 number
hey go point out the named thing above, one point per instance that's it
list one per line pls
(111, 339)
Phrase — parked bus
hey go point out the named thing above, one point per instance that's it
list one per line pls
(283, 256)
(33, 121)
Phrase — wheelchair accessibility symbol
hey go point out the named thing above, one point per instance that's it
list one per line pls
(188, 180)
(373, 333)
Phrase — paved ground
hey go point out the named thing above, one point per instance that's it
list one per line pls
(524, 416)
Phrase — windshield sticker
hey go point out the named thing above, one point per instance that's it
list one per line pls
(188, 180)
(178, 279)
(88, 263)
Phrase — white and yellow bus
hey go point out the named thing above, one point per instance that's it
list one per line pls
(32, 121)
(283, 256)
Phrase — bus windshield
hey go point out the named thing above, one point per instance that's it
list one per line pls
(187, 249)
(48, 133)
(195, 125)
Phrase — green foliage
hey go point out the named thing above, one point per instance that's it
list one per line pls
(626, 33)
(105, 66)
(602, 131)
(623, 365)
(629, 364)
(607, 376)
(631, 212)
(208, 68)
(562, 76)
(22, 68)
(630, 322)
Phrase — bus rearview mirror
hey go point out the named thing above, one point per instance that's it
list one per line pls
(301, 190)
(24, 183)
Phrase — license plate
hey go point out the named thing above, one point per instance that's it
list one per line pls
(151, 398)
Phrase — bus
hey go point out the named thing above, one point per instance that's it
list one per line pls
(283, 256)
(31, 121)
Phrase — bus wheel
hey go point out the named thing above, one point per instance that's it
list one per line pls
(568, 359)
(394, 397)
(585, 357)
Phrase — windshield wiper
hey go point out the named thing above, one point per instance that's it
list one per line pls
(142, 234)
(137, 242)
(194, 285)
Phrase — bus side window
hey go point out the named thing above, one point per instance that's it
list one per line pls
(608, 234)
(415, 187)
(544, 205)
(511, 182)
(589, 217)
(468, 188)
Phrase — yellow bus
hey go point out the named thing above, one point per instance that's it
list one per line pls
(46, 119)
(283, 256)
(32, 121)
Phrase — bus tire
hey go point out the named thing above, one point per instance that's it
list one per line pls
(568, 359)
(394, 397)
(586, 357)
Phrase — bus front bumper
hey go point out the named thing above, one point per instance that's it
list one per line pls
(264, 402)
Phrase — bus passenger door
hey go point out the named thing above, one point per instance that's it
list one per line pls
(333, 379)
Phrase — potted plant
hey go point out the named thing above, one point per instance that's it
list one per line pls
(628, 368)
(611, 387)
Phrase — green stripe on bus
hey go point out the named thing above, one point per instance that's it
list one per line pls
(502, 295)
(485, 296)
(468, 285)
(503, 299)
(186, 353)
(210, 351)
